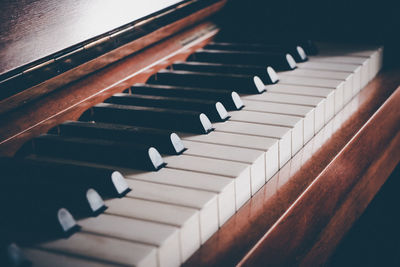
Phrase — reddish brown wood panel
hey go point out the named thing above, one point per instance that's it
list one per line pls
(318, 219)
(69, 102)
(102, 61)
(242, 232)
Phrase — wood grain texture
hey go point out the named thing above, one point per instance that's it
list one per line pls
(63, 79)
(32, 29)
(69, 102)
(249, 225)
(311, 228)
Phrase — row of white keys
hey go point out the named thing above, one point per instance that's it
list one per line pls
(307, 113)
(291, 104)
(329, 66)
(373, 53)
(268, 145)
(327, 94)
(171, 232)
(282, 134)
(96, 248)
(346, 77)
(336, 85)
(279, 120)
(254, 158)
(351, 60)
(176, 232)
(226, 189)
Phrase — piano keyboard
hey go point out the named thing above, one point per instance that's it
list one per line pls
(193, 144)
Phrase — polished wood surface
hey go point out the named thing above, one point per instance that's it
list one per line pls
(12, 96)
(241, 239)
(69, 102)
(314, 224)
(31, 30)
(275, 226)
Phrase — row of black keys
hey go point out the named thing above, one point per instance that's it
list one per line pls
(164, 107)
(123, 132)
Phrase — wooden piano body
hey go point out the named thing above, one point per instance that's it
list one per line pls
(300, 215)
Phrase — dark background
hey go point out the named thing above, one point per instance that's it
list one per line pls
(376, 22)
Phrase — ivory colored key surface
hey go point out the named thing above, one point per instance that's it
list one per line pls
(362, 62)
(268, 145)
(346, 77)
(44, 258)
(240, 172)
(336, 85)
(292, 104)
(205, 202)
(186, 219)
(224, 187)
(162, 236)
(328, 94)
(356, 69)
(304, 112)
(105, 249)
(295, 123)
(373, 53)
(283, 134)
(254, 158)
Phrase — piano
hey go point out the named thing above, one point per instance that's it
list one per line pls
(171, 139)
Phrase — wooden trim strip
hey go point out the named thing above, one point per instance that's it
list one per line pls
(242, 232)
(310, 229)
(81, 69)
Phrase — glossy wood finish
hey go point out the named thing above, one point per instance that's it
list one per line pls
(32, 30)
(244, 230)
(69, 102)
(241, 239)
(155, 34)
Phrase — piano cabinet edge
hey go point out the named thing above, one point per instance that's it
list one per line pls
(69, 102)
(308, 233)
(301, 214)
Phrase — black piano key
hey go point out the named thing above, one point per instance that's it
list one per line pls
(230, 99)
(171, 119)
(27, 217)
(80, 202)
(277, 60)
(215, 111)
(245, 84)
(12, 256)
(309, 47)
(267, 74)
(166, 141)
(99, 151)
(296, 51)
(108, 182)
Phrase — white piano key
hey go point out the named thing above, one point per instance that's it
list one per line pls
(164, 237)
(252, 157)
(346, 77)
(295, 123)
(336, 85)
(224, 187)
(283, 134)
(268, 145)
(363, 62)
(111, 250)
(326, 93)
(303, 102)
(186, 219)
(44, 258)
(240, 172)
(304, 112)
(373, 53)
(205, 202)
(356, 69)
